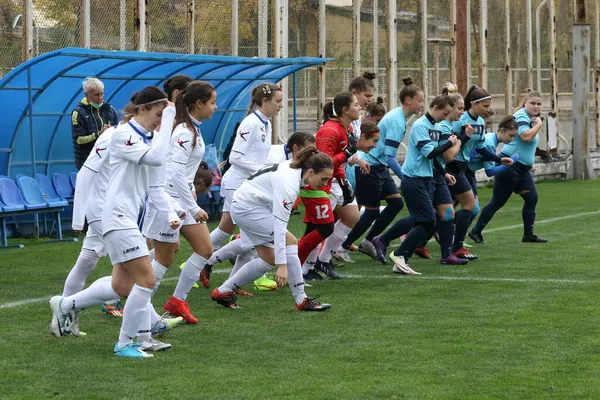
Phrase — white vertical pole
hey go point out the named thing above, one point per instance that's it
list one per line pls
(263, 22)
(376, 41)
(424, 77)
(321, 68)
(538, 45)
(281, 51)
(123, 25)
(553, 66)
(483, 42)
(28, 30)
(191, 26)
(452, 60)
(356, 36)
(529, 46)
(597, 74)
(392, 63)
(507, 70)
(86, 24)
(234, 27)
(142, 31)
(469, 43)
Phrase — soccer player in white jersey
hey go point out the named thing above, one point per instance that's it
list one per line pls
(196, 103)
(278, 154)
(249, 152)
(131, 159)
(261, 207)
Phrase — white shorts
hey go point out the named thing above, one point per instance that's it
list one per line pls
(156, 226)
(336, 196)
(94, 240)
(256, 224)
(125, 245)
(227, 194)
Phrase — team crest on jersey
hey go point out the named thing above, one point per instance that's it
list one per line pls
(287, 205)
(263, 137)
(128, 142)
(98, 150)
(434, 135)
(243, 135)
(182, 142)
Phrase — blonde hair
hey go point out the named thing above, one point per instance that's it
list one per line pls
(451, 90)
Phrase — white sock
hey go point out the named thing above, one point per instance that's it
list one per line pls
(151, 255)
(242, 260)
(295, 279)
(143, 332)
(217, 236)
(248, 273)
(85, 264)
(311, 260)
(154, 316)
(230, 250)
(189, 275)
(333, 242)
(134, 312)
(159, 272)
(99, 292)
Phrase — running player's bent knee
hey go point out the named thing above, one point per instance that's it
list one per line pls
(371, 214)
(448, 214)
(290, 240)
(476, 210)
(429, 226)
(530, 197)
(325, 230)
(396, 203)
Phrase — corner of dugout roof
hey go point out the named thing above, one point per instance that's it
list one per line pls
(38, 96)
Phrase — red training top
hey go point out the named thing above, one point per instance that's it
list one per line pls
(331, 140)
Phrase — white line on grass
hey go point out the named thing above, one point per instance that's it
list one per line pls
(434, 278)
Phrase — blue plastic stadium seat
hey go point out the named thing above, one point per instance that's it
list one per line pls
(46, 188)
(34, 195)
(62, 186)
(73, 180)
(10, 196)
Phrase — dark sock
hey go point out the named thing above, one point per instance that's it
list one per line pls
(412, 241)
(462, 220)
(399, 228)
(528, 221)
(365, 221)
(386, 217)
(446, 231)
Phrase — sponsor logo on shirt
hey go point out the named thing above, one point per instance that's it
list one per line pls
(271, 234)
(181, 142)
(98, 150)
(243, 135)
(128, 142)
(126, 251)
(287, 205)
(263, 137)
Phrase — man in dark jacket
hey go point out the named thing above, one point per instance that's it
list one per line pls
(90, 119)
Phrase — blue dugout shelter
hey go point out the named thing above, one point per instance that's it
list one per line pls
(37, 97)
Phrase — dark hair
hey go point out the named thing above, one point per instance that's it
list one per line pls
(531, 93)
(203, 175)
(341, 100)
(299, 139)
(376, 108)
(196, 90)
(409, 89)
(311, 158)
(490, 113)
(369, 129)
(129, 109)
(508, 122)
(178, 82)
(473, 94)
(363, 82)
(441, 101)
(260, 92)
(148, 97)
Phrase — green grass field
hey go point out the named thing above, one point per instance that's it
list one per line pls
(520, 323)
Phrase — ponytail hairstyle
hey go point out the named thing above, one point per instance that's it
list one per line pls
(475, 94)
(148, 97)
(363, 82)
(508, 123)
(203, 175)
(369, 129)
(334, 108)
(186, 101)
(376, 108)
(128, 112)
(260, 92)
(409, 89)
(530, 93)
(177, 82)
(490, 113)
(311, 158)
(441, 101)
(451, 90)
(300, 139)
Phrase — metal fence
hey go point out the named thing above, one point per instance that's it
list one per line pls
(356, 33)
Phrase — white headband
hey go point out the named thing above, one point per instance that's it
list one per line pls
(151, 102)
(333, 108)
(481, 99)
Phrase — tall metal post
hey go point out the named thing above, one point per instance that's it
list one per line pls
(436, 66)
(321, 68)
(581, 166)
(30, 117)
(191, 26)
(553, 66)
(123, 25)
(140, 25)
(281, 51)
(86, 24)
(376, 41)
(538, 45)
(234, 27)
(356, 36)
(529, 46)
(597, 75)
(468, 39)
(424, 77)
(263, 21)
(452, 60)
(483, 44)
(461, 38)
(507, 70)
(28, 30)
(392, 63)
